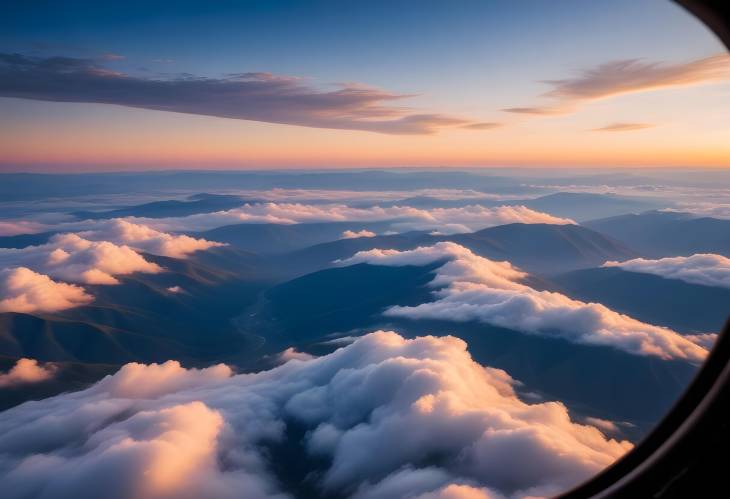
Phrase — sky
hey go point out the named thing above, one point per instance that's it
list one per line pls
(137, 85)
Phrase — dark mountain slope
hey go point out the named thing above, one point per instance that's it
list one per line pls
(658, 234)
(24, 240)
(142, 318)
(539, 248)
(669, 302)
(280, 238)
(323, 255)
(544, 248)
(340, 299)
(198, 203)
(586, 206)
(598, 381)
(68, 376)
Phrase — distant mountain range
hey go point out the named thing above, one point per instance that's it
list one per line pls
(540, 248)
(576, 205)
(25, 240)
(197, 203)
(585, 206)
(659, 234)
(266, 238)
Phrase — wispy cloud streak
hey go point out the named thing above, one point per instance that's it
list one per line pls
(254, 96)
(622, 127)
(624, 77)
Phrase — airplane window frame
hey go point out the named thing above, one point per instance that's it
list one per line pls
(679, 458)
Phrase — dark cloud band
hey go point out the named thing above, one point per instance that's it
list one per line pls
(246, 96)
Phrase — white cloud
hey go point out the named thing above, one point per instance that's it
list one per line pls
(292, 353)
(423, 483)
(473, 288)
(703, 268)
(135, 380)
(175, 289)
(446, 220)
(26, 371)
(460, 491)
(25, 291)
(147, 239)
(73, 258)
(350, 234)
(703, 209)
(334, 195)
(164, 432)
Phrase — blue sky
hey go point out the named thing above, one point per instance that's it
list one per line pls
(456, 58)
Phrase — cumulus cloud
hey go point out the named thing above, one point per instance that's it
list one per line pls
(111, 248)
(147, 239)
(73, 258)
(25, 291)
(175, 289)
(349, 234)
(246, 96)
(26, 371)
(292, 353)
(461, 430)
(703, 268)
(423, 483)
(141, 381)
(446, 220)
(622, 127)
(624, 77)
(473, 288)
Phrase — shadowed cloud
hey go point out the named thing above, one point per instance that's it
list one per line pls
(162, 431)
(246, 96)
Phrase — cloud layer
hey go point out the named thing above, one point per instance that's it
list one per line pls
(445, 220)
(461, 430)
(343, 195)
(703, 268)
(26, 371)
(246, 96)
(624, 77)
(25, 291)
(473, 288)
(147, 239)
(75, 259)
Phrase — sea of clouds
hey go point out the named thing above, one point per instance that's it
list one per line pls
(381, 417)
